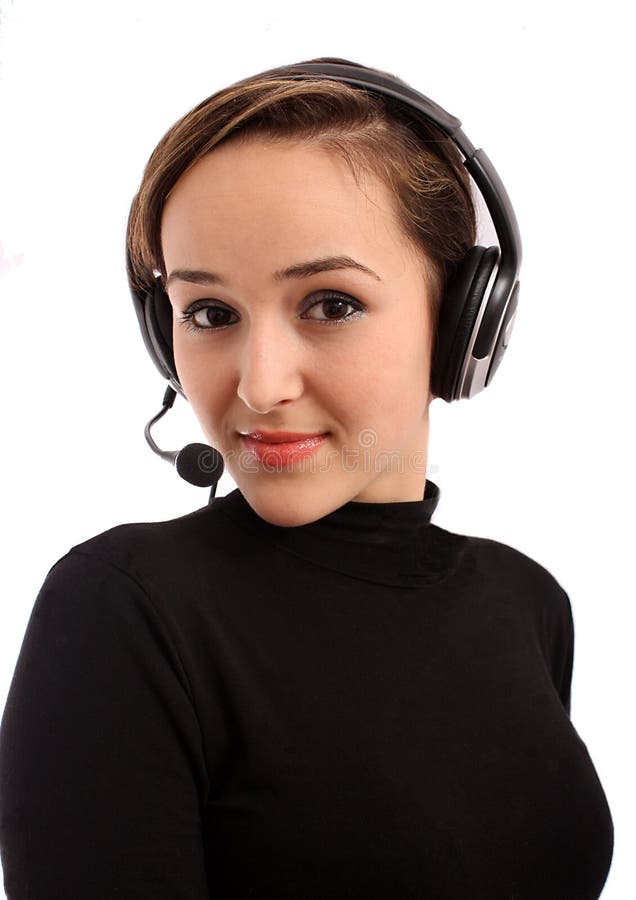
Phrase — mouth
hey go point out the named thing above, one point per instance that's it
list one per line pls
(281, 437)
(282, 447)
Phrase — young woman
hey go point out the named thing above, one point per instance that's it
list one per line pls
(304, 689)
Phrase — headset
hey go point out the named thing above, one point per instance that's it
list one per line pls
(478, 308)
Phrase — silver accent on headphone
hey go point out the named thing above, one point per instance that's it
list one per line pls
(475, 371)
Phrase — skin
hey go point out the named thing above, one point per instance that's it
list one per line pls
(253, 206)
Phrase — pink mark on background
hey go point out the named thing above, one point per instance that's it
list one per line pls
(9, 262)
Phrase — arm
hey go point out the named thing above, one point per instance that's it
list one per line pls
(102, 774)
(562, 650)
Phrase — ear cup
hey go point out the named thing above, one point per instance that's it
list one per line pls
(458, 313)
(158, 311)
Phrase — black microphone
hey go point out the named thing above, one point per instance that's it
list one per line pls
(197, 464)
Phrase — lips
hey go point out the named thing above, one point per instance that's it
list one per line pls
(282, 447)
(282, 437)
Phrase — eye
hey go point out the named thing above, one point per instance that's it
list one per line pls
(214, 315)
(333, 303)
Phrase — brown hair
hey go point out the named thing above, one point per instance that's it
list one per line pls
(420, 165)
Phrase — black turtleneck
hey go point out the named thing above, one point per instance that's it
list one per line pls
(367, 706)
(384, 543)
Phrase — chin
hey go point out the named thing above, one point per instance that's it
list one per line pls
(289, 505)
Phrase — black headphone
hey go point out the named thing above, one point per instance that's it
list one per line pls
(478, 308)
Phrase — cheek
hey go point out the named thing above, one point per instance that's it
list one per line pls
(194, 371)
(383, 375)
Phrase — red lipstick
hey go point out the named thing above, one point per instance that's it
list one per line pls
(281, 447)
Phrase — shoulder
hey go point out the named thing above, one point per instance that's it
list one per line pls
(149, 587)
(493, 566)
(160, 564)
(134, 545)
(511, 562)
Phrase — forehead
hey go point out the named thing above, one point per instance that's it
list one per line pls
(258, 165)
(269, 193)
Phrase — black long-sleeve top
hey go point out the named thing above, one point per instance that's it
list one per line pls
(367, 706)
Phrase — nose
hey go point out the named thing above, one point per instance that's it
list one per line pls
(269, 371)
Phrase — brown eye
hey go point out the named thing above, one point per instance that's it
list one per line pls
(213, 315)
(333, 304)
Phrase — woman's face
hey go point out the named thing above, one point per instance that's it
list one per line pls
(273, 352)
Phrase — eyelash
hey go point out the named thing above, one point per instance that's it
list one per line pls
(187, 318)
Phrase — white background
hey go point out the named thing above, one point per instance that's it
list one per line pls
(541, 460)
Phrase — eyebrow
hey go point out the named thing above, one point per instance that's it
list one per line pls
(298, 270)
